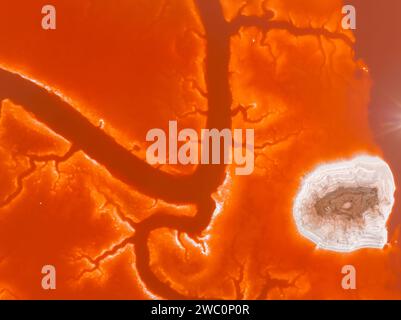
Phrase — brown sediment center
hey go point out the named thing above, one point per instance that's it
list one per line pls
(351, 203)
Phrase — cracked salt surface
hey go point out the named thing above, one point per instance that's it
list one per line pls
(344, 206)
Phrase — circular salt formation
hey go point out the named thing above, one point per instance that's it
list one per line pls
(344, 206)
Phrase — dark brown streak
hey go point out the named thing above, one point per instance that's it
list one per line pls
(265, 23)
(66, 121)
(207, 177)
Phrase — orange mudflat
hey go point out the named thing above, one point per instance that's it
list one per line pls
(78, 193)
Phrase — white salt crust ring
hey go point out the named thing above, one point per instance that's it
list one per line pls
(344, 206)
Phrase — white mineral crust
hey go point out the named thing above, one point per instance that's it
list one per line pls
(344, 206)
